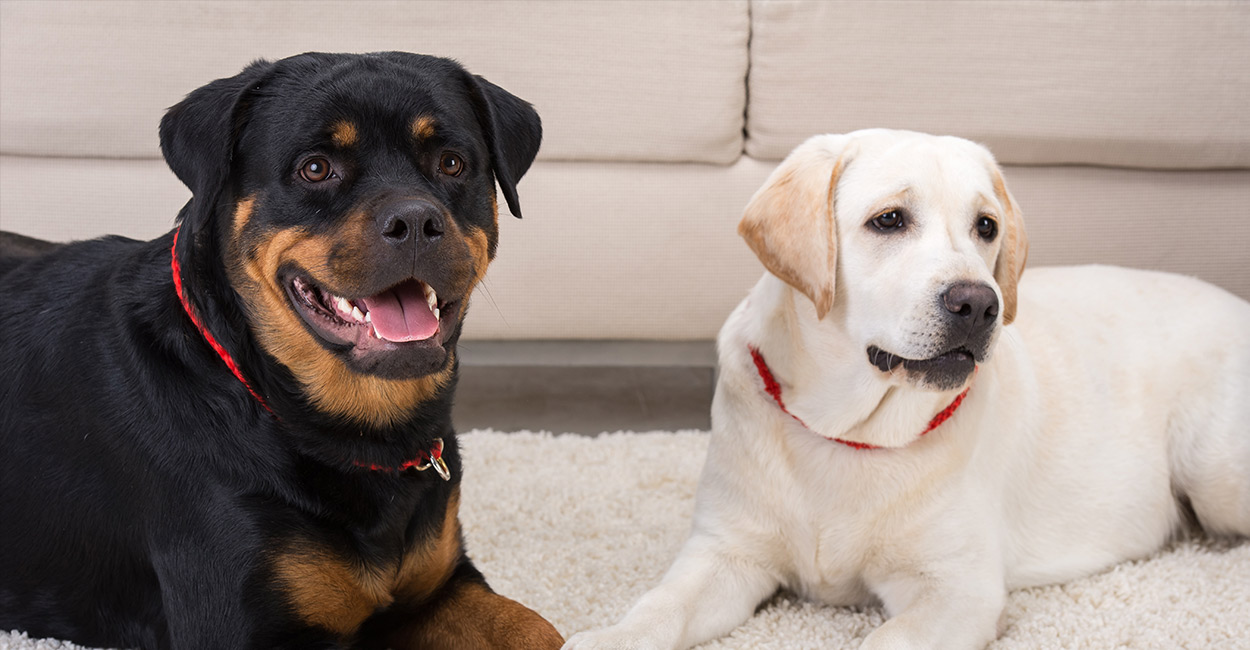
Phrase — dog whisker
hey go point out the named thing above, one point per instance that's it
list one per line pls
(494, 304)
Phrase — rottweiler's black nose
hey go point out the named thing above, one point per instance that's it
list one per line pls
(413, 219)
(973, 303)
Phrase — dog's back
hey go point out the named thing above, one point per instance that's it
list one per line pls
(16, 249)
(1158, 352)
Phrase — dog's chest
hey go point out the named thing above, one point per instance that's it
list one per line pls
(824, 544)
(338, 591)
(828, 565)
(831, 521)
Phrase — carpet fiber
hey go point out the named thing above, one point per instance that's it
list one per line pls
(579, 527)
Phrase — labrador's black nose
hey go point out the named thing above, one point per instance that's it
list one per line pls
(972, 303)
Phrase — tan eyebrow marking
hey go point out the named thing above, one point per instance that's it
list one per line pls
(423, 127)
(343, 133)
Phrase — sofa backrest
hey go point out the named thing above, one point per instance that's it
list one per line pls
(1147, 84)
(1124, 124)
(612, 79)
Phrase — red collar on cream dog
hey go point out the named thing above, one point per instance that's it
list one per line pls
(774, 389)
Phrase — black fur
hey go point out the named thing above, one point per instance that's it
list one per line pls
(145, 492)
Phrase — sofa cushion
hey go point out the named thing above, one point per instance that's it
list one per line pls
(1136, 84)
(91, 79)
(638, 251)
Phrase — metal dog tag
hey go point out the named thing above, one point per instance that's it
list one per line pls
(441, 468)
(436, 460)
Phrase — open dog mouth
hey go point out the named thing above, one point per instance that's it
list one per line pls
(954, 362)
(407, 313)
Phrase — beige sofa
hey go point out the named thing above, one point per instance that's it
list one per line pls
(1125, 126)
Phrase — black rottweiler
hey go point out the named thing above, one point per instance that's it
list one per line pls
(238, 435)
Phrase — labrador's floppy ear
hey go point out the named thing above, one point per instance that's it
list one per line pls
(513, 133)
(789, 222)
(198, 136)
(1014, 250)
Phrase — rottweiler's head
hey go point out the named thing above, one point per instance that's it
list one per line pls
(350, 202)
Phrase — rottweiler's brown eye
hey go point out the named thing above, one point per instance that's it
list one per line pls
(890, 220)
(315, 170)
(987, 228)
(450, 164)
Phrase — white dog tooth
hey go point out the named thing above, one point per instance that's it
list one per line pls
(342, 304)
(431, 298)
(357, 314)
(368, 317)
(436, 316)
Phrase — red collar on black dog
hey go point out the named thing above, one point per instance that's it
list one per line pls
(427, 459)
(432, 458)
(212, 342)
(774, 389)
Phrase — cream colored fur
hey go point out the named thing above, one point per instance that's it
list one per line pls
(1114, 398)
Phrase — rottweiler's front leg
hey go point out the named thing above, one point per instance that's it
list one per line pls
(464, 615)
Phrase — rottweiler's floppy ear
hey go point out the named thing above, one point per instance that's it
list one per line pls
(198, 136)
(513, 133)
(789, 222)
(1014, 250)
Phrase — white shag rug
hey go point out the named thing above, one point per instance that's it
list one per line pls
(579, 527)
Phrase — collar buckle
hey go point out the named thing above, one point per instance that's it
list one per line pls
(427, 459)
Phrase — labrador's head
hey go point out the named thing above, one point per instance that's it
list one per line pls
(908, 244)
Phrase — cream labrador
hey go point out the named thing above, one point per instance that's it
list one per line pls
(900, 419)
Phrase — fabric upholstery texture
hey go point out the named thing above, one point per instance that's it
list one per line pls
(1161, 85)
(640, 251)
(1123, 124)
(612, 82)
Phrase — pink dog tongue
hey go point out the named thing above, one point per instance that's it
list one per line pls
(402, 314)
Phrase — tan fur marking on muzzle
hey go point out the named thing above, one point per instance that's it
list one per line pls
(479, 248)
(329, 384)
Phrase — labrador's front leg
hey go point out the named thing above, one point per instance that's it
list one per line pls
(939, 613)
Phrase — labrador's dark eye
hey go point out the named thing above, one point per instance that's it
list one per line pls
(987, 228)
(315, 169)
(890, 220)
(450, 164)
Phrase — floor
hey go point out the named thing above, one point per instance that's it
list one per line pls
(585, 386)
